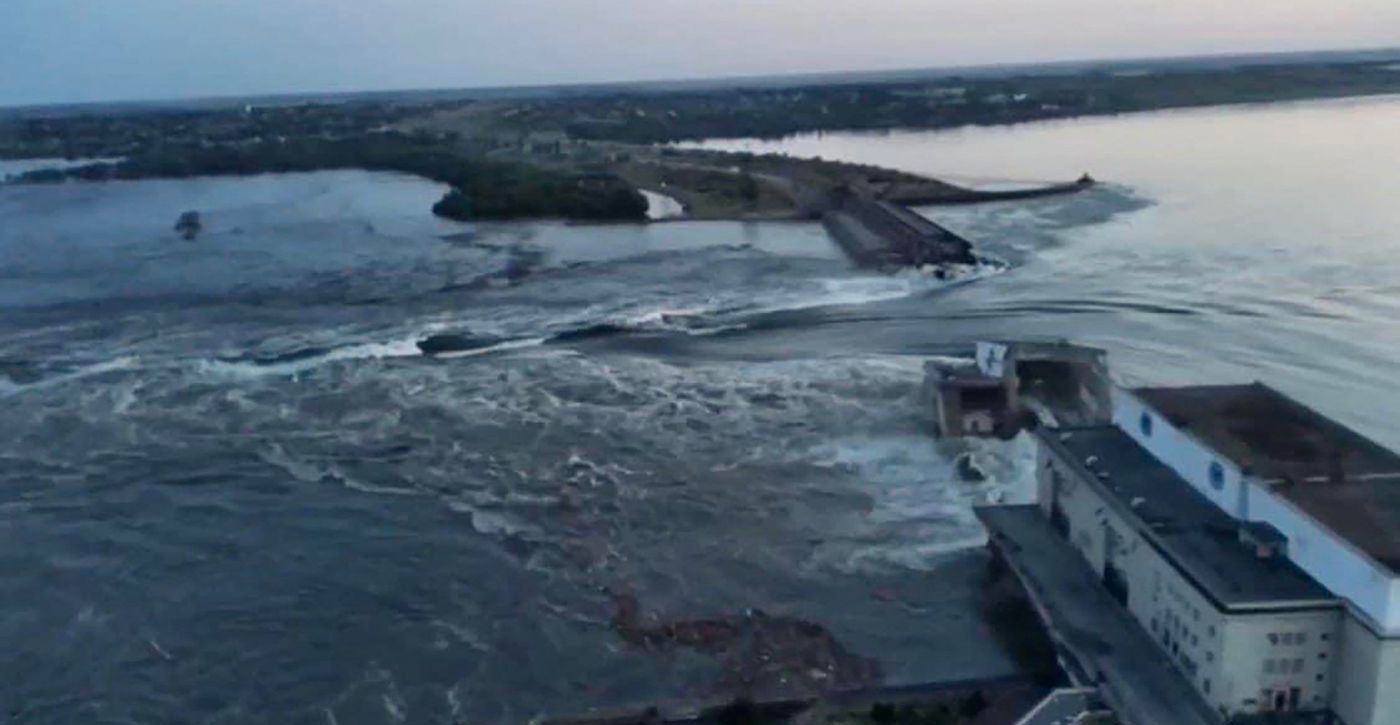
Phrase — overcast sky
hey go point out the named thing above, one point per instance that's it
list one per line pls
(89, 50)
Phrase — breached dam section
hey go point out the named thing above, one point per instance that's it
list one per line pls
(884, 235)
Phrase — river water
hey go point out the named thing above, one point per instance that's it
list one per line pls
(232, 489)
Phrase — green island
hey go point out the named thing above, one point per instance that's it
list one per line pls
(585, 153)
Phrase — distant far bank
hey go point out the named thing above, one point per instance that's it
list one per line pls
(418, 96)
(587, 152)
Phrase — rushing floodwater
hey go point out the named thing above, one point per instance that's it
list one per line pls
(1270, 247)
(231, 488)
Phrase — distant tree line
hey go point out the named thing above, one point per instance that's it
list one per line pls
(950, 102)
(481, 189)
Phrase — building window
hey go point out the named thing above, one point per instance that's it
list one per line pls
(1206, 685)
(1268, 667)
(1322, 655)
(1288, 638)
(1145, 423)
(1217, 475)
(1319, 677)
(1273, 638)
(1324, 636)
(1297, 665)
(1210, 630)
(1210, 657)
(1301, 638)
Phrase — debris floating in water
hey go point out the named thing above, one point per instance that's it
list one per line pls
(189, 225)
(155, 647)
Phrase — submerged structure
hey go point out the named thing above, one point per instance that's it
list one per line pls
(1198, 554)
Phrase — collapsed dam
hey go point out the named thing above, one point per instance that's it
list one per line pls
(876, 228)
(884, 235)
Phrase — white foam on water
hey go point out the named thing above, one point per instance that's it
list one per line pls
(466, 635)
(493, 523)
(15, 167)
(300, 470)
(861, 290)
(906, 555)
(855, 291)
(392, 697)
(454, 702)
(307, 471)
(394, 708)
(404, 347)
(921, 508)
(127, 362)
(714, 311)
(950, 362)
(355, 484)
(228, 369)
(125, 397)
(697, 321)
(498, 347)
(663, 316)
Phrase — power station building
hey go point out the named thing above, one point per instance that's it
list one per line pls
(1253, 540)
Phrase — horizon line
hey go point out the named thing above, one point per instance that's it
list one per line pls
(721, 81)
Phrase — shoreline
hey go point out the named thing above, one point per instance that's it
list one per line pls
(699, 144)
(708, 184)
(787, 188)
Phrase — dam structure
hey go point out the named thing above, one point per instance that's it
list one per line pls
(876, 228)
(884, 235)
(1198, 554)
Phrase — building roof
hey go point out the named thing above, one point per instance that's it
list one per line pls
(1270, 434)
(1345, 481)
(1192, 533)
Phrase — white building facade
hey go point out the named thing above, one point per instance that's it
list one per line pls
(1242, 657)
(1364, 674)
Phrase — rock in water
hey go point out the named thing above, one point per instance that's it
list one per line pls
(189, 225)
